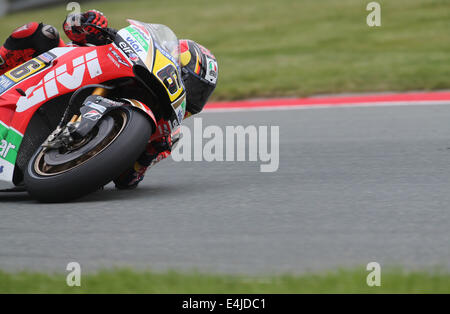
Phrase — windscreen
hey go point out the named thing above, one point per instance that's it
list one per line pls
(165, 38)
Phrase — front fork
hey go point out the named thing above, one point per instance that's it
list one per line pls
(94, 107)
(98, 102)
(99, 91)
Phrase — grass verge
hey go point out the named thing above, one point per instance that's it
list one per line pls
(130, 281)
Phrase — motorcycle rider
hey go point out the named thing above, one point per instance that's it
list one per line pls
(198, 66)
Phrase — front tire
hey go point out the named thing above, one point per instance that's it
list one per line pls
(113, 151)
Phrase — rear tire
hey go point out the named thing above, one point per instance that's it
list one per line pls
(71, 180)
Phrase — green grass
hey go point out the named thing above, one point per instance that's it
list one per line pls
(128, 281)
(297, 47)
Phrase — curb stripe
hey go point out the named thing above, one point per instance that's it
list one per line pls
(391, 99)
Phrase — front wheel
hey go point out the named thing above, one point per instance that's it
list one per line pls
(112, 147)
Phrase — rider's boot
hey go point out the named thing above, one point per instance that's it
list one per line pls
(156, 151)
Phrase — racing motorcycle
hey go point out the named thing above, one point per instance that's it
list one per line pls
(75, 118)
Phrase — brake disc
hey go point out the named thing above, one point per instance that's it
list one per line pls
(54, 157)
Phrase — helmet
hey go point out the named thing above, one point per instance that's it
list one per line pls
(199, 73)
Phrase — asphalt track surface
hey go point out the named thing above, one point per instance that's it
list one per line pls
(354, 185)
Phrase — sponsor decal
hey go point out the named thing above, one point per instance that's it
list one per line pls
(179, 106)
(50, 32)
(10, 141)
(141, 27)
(133, 57)
(118, 58)
(5, 147)
(111, 102)
(49, 86)
(6, 173)
(212, 68)
(180, 115)
(211, 73)
(113, 60)
(165, 53)
(134, 44)
(139, 36)
(92, 115)
(181, 110)
(128, 51)
(5, 83)
(130, 43)
(47, 57)
(96, 106)
(143, 32)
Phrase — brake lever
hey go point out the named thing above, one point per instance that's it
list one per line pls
(109, 32)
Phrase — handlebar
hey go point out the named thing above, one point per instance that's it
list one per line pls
(109, 32)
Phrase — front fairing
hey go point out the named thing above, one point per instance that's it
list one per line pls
(155, 48)
(61, 71)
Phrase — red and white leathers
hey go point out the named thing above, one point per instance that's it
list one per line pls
(159, 148)
(33, 39)
(27, 42)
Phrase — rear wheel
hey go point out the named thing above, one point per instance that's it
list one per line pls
(119, 138)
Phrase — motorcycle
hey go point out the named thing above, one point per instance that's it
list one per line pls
(74, 118)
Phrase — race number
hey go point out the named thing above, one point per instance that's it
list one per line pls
(25, 70)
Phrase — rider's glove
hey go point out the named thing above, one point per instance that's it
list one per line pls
(77, 28)
(156, 151)
(96, 17)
